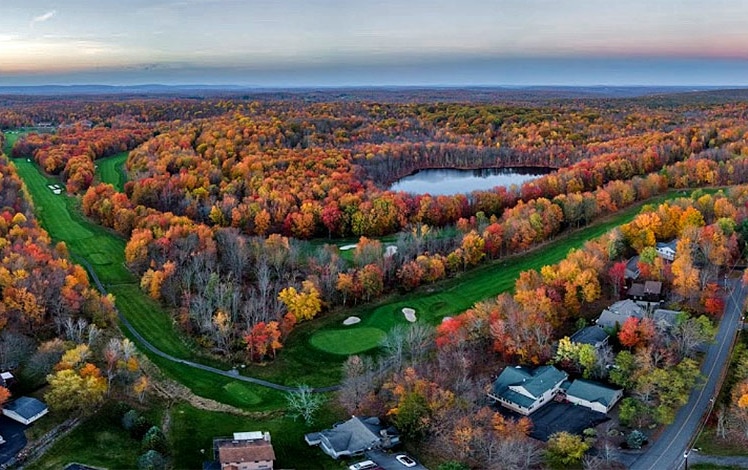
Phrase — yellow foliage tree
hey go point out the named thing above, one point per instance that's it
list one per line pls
(304, 305)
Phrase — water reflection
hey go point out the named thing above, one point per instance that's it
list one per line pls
(452, 181)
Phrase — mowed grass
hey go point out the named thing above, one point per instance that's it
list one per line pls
(453, 296)
(348, 342)
(59, 215)
(111, 170)
(100, 441)
(193, 430)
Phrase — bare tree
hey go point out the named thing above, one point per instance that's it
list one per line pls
(419, 341)
(303, 403)
(359, 380)
(14, 349)
(394, 347)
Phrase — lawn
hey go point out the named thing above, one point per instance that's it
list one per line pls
(60, 216)
(347, 341)
(100, 441)
(455, 295)
(193, 430)
(111, 170)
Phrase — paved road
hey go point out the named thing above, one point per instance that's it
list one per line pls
(668, 451)
(232, 374)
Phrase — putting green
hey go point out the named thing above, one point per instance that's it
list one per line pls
(349, 341)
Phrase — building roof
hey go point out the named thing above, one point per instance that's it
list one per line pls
(632, 268)
(534, 381)
(355, 435)
(593, 392)
(665, 318)
(619, 312)
(652, 288)
(589, 335)
(230, 450)
(636, 290)
(667, 245)
(26, 407)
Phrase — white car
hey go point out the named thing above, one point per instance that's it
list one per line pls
(363, 465)
(405, 460)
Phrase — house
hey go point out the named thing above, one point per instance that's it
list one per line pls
(666, 250)
(25, 410)
(245, 451)
(525, 390)
(593, 395)
(7, 379)
(632, 269)
(665, 319)
(593, 335)
(354, 437)
(619, 312)
(649, 291)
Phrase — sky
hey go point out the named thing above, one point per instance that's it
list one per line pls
(291, 43)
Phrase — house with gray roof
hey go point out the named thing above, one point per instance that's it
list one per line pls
(593, 395)
(632, 269)
(649, 291)
(593, 335)
(525, 390)
(666, 250)
(619, 312)
(354, 437)
(25, 410)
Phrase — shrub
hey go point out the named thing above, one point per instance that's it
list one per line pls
(151, 460)
(154, 439)
(140, 427)
(635, 439)
(129, 418)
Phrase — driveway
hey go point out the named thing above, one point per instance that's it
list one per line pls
(668, 451)
(15, 439)
(387, 460)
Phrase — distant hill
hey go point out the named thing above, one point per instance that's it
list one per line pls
(387, 94)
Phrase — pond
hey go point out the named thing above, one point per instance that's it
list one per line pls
(452, 181)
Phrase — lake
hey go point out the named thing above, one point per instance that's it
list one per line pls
(452, 181)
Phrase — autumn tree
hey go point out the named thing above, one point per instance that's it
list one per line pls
(565, 449)
(304, 304)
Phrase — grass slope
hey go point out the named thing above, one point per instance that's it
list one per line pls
(193, 431)
(60, 216)
(452, 296)
(111, 170)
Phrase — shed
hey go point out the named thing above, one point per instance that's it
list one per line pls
(25, 410)
(593, 395)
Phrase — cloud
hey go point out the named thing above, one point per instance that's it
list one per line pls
(42, 18)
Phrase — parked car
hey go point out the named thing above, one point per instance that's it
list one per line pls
(406, 460)
(363, 465)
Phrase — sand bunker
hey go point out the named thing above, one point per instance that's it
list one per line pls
(410, 314)
(351, 321)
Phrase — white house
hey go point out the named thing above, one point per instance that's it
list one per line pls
(593, 395)
(525, 390)
(25, 410)
(666, 250)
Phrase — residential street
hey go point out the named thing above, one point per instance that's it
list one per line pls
(669, 449)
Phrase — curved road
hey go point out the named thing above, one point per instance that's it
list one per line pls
(226, 373)
(669, 450)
